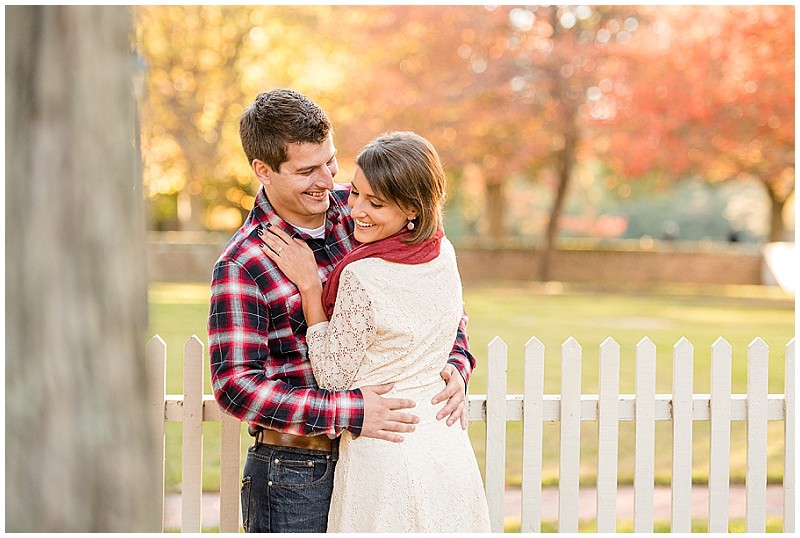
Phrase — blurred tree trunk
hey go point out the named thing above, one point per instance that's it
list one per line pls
(79, 449)
(496, 208)
(564, 166)
(564, 159)
(777, 228)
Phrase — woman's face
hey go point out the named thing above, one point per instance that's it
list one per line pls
(375, 218)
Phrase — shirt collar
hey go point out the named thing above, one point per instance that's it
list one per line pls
(265, 213)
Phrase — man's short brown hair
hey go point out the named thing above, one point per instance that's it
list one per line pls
(276, 119)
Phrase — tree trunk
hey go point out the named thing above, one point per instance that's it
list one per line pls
(495, 207)
(777, 229)
(79, 449)
(566, 159)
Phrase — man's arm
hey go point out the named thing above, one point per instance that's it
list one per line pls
(460, 356)
(238, 345)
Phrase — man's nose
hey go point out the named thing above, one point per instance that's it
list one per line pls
(325, 177)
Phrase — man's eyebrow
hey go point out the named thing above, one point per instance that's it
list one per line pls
(303, 168)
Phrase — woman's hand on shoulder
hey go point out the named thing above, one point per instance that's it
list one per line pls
(292, 256)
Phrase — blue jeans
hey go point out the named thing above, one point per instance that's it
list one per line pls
(287, 489)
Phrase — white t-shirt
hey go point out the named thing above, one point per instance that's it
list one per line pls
(316, 233)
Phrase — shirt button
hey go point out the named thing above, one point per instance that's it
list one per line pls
(269, 483)
(277, 461)
(310, 464)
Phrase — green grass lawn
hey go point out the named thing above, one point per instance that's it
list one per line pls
(552, 313)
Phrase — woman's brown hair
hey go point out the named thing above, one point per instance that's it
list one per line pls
(403, 168)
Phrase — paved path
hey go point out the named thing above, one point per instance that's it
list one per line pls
(586, 504)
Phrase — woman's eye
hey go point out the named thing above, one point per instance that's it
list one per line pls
(377, 206)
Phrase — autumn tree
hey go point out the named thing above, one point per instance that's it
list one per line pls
(193, 94)
(706, 91)
(435, 73)
(536, 67)
(504, 93)
(206, 64)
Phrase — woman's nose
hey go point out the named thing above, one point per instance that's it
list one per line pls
(357, 208)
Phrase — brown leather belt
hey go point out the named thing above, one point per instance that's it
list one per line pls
(313, 442)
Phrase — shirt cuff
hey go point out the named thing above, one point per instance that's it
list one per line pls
(464, 370)
(356, 415)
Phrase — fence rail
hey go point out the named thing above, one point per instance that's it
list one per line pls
(569, 408)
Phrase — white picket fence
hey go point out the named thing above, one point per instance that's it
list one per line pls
(607, 408)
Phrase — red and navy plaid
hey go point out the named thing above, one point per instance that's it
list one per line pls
(260, 372)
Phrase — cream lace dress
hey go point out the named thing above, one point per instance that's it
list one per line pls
(397, 323)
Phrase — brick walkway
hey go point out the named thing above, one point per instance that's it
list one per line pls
(586, 507)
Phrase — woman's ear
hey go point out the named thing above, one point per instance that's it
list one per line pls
(262, 171)
(411, 213)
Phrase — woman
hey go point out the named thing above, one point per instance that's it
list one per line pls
(394, 304)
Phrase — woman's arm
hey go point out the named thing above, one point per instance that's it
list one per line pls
(296, 260)
(248, 389)
(335, 349)
(364, 410)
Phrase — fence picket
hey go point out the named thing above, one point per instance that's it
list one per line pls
(569, 463)
(682, 382)
(644, 454)
(531, 520)
(230, 459)
(720, 426)
(789, 440)
(608, 436)
(756, 479)
(496, 383)
(156, 359)
(192, 468)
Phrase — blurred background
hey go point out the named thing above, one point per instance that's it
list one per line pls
(559, 126)
(622, 171)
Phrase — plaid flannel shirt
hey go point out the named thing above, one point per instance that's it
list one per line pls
(260, 372)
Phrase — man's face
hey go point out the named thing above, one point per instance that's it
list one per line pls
(298, 190)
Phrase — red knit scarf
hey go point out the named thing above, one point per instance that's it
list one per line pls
(391, 249)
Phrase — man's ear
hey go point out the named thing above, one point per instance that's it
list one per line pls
(262, 171)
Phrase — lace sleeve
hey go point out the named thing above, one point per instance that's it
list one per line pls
(337, 348)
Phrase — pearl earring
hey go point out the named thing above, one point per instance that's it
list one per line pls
(410, 225)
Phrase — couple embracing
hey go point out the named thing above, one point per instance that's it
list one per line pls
(337, 331)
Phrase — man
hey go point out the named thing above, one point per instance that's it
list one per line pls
(259, 369)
